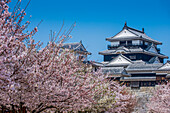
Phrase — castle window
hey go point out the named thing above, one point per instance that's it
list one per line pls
(115, 43)
(122, 43)
(129, 42)
(135, 42)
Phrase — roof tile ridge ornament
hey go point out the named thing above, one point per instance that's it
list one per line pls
(81, 41)
(143, 30)
(125, 26)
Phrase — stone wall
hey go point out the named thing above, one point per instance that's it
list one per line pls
(143, 96)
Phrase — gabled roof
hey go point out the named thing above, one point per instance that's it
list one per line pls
(152, 48)
(125, 33)
(166, 66)
(76, 46)
(128, 33)
(154, 60)
(123, 48)
(120, 60)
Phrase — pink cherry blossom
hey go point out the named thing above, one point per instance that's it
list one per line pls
(37, 79)
(160, 102)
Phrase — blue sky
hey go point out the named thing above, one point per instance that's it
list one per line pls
(99, 19)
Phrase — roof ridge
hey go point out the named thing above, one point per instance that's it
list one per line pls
(78, 46)
(134, 29)
(125, 57)
(133, 33)
(120, 55)
(71, 43)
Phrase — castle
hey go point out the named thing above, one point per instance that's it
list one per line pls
(134, 59)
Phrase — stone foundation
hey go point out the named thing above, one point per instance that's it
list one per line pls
(143, 96)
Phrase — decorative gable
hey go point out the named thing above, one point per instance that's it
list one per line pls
(120, 60)
(154, 60)
(165, 66)
(121, 50)
(152, 49)
(80, 47)
(125, 33)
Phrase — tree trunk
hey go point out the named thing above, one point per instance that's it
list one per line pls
(3, 110)
(13, 109)
(21, 107)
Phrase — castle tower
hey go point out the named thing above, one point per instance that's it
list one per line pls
(134, 59)
(135, 45)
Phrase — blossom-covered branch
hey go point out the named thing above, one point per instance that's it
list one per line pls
(35, 80)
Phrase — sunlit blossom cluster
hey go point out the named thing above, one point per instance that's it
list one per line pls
(160, 102)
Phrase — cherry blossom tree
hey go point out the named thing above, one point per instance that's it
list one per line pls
(36, 79)
(160, 102)
(13, 50)
(115, 99)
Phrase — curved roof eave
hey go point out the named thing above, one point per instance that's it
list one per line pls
(145, 52)
(132, 38)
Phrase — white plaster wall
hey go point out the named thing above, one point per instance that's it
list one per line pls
(125, 33)
(135, 42)
(116, 43)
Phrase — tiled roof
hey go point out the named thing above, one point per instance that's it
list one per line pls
(166, 66)
(132, 50)
(114, 71)
(143, 67)
(139, 62)
(77, 46)
(123, 48)
(137, 35)
(98, 64)
(120, 60)
(138, 78)
(71, 45)
(136, 50)
(113, 51)
(142, 35)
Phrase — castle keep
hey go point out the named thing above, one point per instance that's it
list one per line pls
(134, 59)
